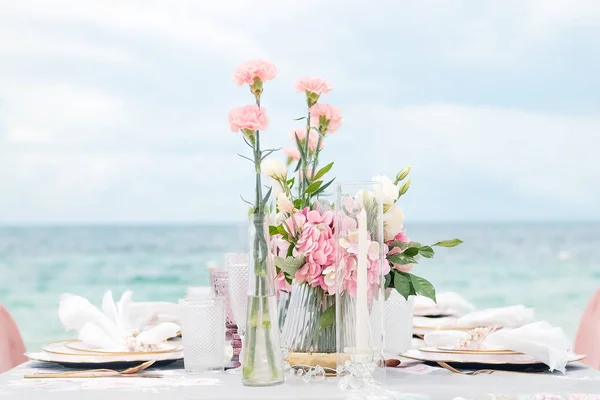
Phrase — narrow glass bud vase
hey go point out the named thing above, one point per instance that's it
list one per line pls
(262, 363)
(360, 263)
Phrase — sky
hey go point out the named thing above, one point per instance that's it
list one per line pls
(115, 111)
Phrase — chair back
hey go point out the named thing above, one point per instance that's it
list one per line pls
(588, 335)
(12, 349)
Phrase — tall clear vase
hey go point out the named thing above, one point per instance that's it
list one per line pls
(261, 355)
(301, 330)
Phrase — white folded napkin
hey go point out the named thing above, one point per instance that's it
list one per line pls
(118, 326)
(509, 317)
(447, 303)
(539, 340)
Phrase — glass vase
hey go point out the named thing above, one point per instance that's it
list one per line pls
(398, 323)
(261, 354)
(301, 330)
(360, 294)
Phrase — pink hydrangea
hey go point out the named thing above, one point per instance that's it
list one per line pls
(313, 85)
(281, 284)
(292, 153)
(313, 138)
(251, 117)
(247, 71)
(325, 116)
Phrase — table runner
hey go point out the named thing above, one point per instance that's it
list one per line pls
(416, 382)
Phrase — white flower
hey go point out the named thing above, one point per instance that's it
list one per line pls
(363, 198)
(329, 278)
(393, 222)
(284, 204)
(274, 169)
(387, 192)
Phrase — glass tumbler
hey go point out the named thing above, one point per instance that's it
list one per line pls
(203, 334)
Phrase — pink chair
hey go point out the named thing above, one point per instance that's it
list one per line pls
(12, 349)
(588, 335)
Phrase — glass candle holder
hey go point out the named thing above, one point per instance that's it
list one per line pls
(220, 282)
(359, 283)
(203, 334)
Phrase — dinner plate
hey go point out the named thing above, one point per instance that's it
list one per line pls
(59, 353)
(83, 347)
(423, 325)
(453, 350)
(432, 354)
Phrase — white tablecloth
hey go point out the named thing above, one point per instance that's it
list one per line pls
(579, 383)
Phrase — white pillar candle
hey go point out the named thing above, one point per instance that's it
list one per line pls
(362, 310)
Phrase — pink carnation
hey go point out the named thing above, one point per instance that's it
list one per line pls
(250, 117)
(313, 85)
(246, 72)
(326, 117)
(313, 138)
(292, 153)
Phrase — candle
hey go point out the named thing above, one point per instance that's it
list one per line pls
(362, 310)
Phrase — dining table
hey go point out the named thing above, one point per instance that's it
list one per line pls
(411, 380)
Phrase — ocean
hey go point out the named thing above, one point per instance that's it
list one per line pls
(553, 267)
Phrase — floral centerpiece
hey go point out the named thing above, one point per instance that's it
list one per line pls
(303, 232)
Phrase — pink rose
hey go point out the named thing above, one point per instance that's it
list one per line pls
(313, 138)
(246, 72)
(251, 117)
(326, 117)
(281, 285)
(292, 153)
(401, 237)
(313, 85)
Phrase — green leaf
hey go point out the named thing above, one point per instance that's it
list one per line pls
(300, 147)
(448, 243)
(290, 265)
(290, 182)
(298, 164)
(298, 204)
(426, 251)
(266, 198)
(322, 188)
(290, 251)
(281, 230)
(299, 119)
(273, 230)
(423, 286)
(327, 318)
(402, 283)
(323, 171)
(313, 187)
(411, 251)
(401, 259)
(388, 280)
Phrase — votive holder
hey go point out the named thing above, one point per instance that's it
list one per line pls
(203, 334)
(360, 278)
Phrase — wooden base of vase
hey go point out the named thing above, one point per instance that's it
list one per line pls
(325, 360)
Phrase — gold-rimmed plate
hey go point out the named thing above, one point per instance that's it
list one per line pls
(79, 346)
(436, 356)
(452, 350)
(63, 348)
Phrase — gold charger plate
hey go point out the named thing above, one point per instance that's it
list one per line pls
(78, 345)
(476, 358)
(62, 347)
(449, 350)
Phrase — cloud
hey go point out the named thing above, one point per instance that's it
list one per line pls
(116, 110)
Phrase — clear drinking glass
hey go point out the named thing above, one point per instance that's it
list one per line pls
(203, 334)
(237, 266)
(220, 281)
(360, 283)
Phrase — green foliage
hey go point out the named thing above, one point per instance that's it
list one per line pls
(313, 187)
(323, 171)
(289, 265)
(327, 318)
(448, 243)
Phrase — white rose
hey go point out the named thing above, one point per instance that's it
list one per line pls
(274, 169)
(284, 204)
(393, 221)
(387, 192)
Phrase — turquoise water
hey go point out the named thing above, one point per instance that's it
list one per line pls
(554, 268)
